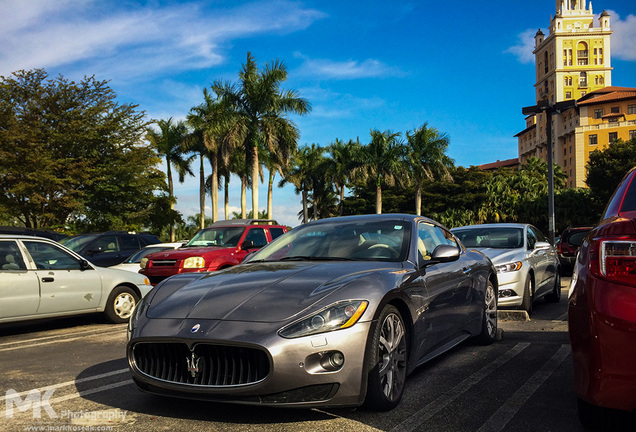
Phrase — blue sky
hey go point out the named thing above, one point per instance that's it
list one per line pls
(464, 67)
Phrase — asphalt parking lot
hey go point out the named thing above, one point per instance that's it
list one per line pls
(71, 374)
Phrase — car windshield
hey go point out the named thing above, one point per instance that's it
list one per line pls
(76, 244)
(356, 240)
(225, 237)
(137, 256)
(491, 237)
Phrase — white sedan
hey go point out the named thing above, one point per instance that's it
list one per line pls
(527, 264)
(133, 262)
(39, 278)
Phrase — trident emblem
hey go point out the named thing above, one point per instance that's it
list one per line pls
(193, 365)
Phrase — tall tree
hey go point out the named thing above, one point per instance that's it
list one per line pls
(70, 152)
(427, 159)
(260, 113)
(384, 158)
(168, 141)
(607, 167)
(344, 161)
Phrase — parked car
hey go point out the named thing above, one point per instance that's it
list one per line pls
(133, 262)
(568, 246)
(527, 264)
(46, 233)
(336, 312)
(109, 248)
(602, 311)
(221, 245)
(39, 278)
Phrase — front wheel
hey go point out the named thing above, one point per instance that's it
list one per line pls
(528, 295)
(387, 361)
(555, 295)
(120, 304)
(489, 324)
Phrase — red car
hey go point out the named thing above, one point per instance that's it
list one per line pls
(221, 245)
(602, 311)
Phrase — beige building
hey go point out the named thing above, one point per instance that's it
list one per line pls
(573, 64)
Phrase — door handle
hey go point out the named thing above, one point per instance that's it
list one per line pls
(47, 279)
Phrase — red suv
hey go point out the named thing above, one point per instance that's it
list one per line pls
(569, 243)
(602, 311)
(221, 245)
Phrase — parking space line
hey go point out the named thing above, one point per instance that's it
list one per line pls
(57, 339)
(418, 418)
(509, 408)
(91, 391)
(68, 383)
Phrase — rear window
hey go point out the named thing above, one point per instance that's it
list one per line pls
(629, 202)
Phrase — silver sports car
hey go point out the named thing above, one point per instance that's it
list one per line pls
(336, 312)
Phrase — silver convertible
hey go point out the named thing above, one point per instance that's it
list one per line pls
(336, 312)
(39, 278)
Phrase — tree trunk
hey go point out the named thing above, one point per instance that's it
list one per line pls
(305, 210)
(270, 195)
(255, 183)
(378, 200)
(243, 198)
(227, 197)
(215, 188)
(201, 194)
(171, 195)
(342, 188)
(418, 199)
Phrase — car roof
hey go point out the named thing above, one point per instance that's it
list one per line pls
(494, 225)
(25, 237)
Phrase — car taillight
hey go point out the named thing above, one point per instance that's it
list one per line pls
(617, 260)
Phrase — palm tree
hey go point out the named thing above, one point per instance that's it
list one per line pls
(209, 120)
(344, 161)
(427, 159)
(383, 159)
(168, 142)
(299, 174)
(259, 114)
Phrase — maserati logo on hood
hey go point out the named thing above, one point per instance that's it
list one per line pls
(193, 365)
(195, 328)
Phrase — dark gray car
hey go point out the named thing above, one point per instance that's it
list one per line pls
(334, 313)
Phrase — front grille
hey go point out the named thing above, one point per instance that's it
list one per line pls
(206, 365)
(164, 263)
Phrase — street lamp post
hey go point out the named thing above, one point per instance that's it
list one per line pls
(550, 108)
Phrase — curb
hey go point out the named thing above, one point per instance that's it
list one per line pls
(513, 315)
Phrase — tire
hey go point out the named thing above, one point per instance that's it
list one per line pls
(591, 416)
(120, 304)
(387, 360)
(555, 295)
(528, 295)
(489, 323)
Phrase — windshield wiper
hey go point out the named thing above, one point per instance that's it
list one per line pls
(315, 258)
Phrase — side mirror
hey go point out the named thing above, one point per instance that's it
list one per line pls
(247, 244)
(443, 253)
(84, 265)
(95, 251)
(542, 245)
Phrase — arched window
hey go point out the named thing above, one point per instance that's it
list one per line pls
(583, 79)
(582, 53)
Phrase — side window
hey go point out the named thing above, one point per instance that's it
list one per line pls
(276, 232)
(538, 235)
(49, 257)
(10, 256)
(129, 242)
(106, 243)
(532, 240)
(257, 236)
(429, 237)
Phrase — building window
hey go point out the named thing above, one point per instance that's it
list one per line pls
(632, 134)
(593, 139)
(615, 110)
(583, 93)
(598, 113)
(613, 136)
(631, 109)
(583, 79)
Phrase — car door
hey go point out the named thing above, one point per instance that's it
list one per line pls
(546, 262)
(104, 251)
(128, 245)
(448, 287)
(64, 285)
(19, 287)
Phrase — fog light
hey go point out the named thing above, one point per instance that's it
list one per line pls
(506, 293)
(336, 359)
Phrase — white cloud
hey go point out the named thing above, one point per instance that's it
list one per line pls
(134, 42)
(623, 46)
(524, 47)
(344, 70)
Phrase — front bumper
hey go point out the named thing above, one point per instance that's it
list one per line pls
(298, 372)
(511, 286)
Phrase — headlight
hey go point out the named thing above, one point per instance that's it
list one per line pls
(335, 317)
(132, 321)
(194, 262)
(510, 267)
(143, 262)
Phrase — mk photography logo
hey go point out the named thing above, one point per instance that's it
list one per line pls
(34, 400)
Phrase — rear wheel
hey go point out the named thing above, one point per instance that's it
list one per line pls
(528, 295)
(555, 295)
(387, 361)
(120, 304)
(489, 324)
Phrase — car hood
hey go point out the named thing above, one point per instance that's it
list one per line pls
(502, 256)
(264, 292)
